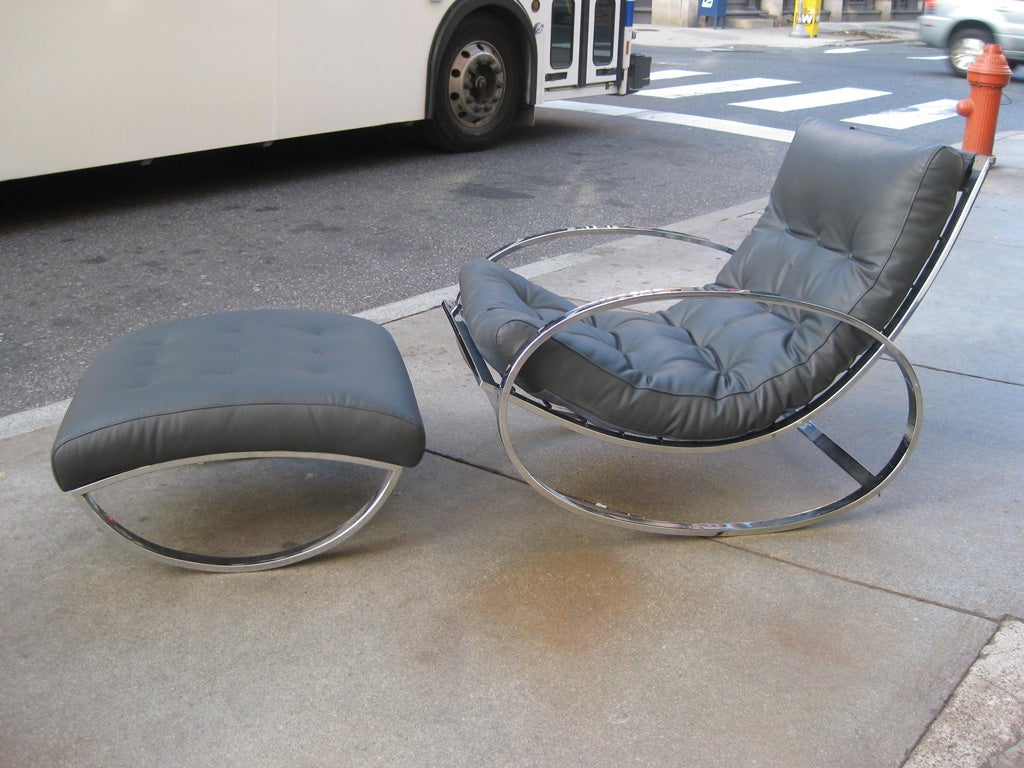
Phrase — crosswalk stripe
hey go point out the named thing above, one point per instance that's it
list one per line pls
(716, 124)
(596, 109)
(895, 119)
(909, 117)
(688, 121)
(812, 100)
(674, 74)
(722, 86)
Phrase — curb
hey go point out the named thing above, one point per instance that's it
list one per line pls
(982, 724)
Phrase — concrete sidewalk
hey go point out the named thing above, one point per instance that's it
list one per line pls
(829, 34)
(472, 624)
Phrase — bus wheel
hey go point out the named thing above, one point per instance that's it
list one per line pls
(477, 90)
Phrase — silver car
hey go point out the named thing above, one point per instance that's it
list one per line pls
(965, 27)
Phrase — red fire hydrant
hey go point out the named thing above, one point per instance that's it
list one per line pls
(988, 75)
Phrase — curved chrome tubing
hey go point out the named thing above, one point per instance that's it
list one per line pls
(870, 483)
(608, 229)
(259, 562)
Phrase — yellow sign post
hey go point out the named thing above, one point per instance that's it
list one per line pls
(805, 18)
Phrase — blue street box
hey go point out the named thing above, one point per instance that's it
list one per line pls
(714, 8)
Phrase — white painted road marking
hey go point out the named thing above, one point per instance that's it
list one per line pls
(673, 74)
(940, 57)
(722, 86)
(812, 100)
(845, 50)
(715, 124)
(688, 121)
(895, 119)
(596, 109)
(909, 117)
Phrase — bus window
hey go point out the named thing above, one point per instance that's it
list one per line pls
(604, 32)
(563, 28)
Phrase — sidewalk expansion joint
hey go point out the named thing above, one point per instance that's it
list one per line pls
(968, 375)
(738, 544)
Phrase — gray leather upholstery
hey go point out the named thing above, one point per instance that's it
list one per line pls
(852, 218)
(264, 380)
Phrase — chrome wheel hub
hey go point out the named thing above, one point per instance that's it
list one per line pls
(965, 51)
(476, 84)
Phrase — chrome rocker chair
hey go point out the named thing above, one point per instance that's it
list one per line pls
(855, 231)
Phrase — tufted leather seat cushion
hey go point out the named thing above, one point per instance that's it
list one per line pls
(851, 220)
(264, 380)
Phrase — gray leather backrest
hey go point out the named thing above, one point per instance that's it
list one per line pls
(852, 218)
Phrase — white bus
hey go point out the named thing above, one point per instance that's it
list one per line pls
(85, 83)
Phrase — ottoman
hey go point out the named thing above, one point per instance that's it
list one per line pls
(251, 384)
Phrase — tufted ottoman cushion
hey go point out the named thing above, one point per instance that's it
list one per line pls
(238, 382)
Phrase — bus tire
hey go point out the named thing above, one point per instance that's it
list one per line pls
(478, 87)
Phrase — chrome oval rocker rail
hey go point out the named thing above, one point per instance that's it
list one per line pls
(870, 483)
(606, 229)
(258, 562)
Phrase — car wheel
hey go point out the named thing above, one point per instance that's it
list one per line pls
(477, 90)
(965, 45)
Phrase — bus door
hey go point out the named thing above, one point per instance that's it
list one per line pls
(585, 43)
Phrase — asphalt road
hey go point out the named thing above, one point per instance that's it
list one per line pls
(351, 221)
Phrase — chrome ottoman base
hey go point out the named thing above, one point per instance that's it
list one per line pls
(240, 385)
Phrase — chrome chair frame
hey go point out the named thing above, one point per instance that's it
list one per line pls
(503, 392)
(257, 562)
